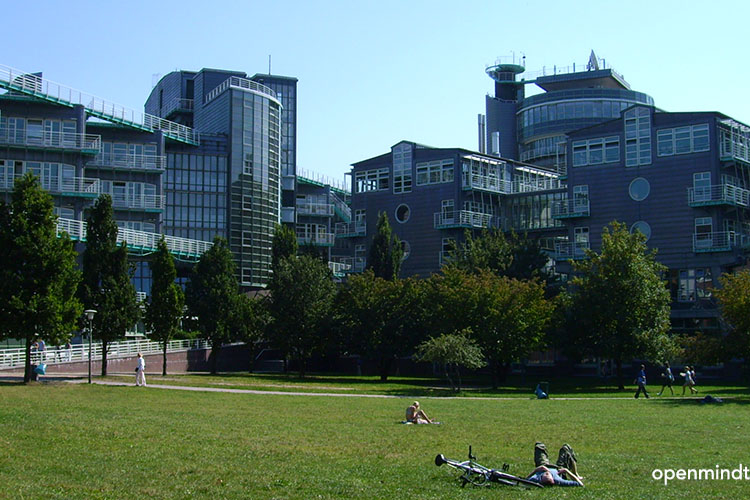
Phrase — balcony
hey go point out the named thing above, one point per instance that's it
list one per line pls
(317, 239)
(721, 241)
(148, 202)
(140, 242)
(67, 186)
(571, 251)
(340, 269)
(178, 105)
(350, 229)
(527, 186)
(491, 184)
(62, 141)
(315, 209)
(129, 162)
(734, 141)
(720, 194)
(568, 209)
(464, 219)
(350, 264)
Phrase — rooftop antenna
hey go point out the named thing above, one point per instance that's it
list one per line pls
(269, 64)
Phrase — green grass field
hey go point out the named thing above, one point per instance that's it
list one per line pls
(69, 441)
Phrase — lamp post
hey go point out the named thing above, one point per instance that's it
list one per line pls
(90, 316)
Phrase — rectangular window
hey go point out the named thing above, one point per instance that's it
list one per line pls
(402, 156)
(581, 243)
(703, 232)
(702, 186)
(637, 137)
(682, 140)
(434, 172)
(371, 180)
(596, 151)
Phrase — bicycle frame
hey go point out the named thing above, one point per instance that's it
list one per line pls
(479, 475)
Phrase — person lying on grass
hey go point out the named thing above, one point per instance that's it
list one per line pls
(552, 475)
(417, 416)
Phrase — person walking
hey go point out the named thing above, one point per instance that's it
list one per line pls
(689, 382)
(140, 372)
(641, 381)
(668, 379)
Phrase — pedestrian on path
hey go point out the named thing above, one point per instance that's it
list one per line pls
(140, 372)
(641, 381)
(668, 379)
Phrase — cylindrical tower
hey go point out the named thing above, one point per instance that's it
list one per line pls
(501, 109)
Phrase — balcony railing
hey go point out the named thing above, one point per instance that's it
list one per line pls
(487, 183)
(42, 88)
(178, 105)
(527, 186)
(129, 161)
(315, 209)
(350, 229)
(462, 218)
(85, 143)
(240, 83)
(721, 241)
(571, 251)
(70, 186)
(139, 241)
(352, 264)
(139, 201)
(566, 209)
(340, 269)
(734, 141)
(318, 239)
(719, 194)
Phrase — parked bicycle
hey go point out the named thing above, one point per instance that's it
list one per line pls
(479, 475)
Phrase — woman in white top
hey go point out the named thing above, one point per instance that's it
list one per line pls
(140, 371)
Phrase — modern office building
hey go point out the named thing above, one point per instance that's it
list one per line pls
(214, 154)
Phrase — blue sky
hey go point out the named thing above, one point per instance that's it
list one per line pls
(372, 73)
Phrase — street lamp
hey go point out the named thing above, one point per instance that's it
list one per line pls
(90, 316)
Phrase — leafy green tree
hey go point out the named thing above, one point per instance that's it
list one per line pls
(734, 300)
(211, 297)
(619, 302)
(516, 256)
(165, 308)
(386, 252)
(452, 351)
(506, 316)
(39, 272)
(284, 244)
(302, 293)
(379, 318)
(107, 285)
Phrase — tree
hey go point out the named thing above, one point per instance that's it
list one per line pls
(302, 293)
(379, 318)
(211, 296)
(386, 252)
(39, 272)
(284, 244)
(507, 317)
(734, 300)
(107, 278)
(619, 302)
(164, 311)
(452, 351)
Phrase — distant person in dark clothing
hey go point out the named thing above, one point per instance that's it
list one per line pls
(668, 379)
(641, 381)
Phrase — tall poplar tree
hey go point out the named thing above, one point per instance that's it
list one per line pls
(386, 252)
(39, 274)
(164, 310)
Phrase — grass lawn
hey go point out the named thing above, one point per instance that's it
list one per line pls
(69, 441)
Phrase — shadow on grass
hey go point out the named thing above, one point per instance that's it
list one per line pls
(698, 401)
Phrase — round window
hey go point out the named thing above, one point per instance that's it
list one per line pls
(406, 247)
(402, 213)
(643, 227)
(639, 189)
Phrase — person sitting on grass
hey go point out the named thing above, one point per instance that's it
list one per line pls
(552, 475)
(416, 416)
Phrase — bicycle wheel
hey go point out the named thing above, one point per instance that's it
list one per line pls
(475, 477)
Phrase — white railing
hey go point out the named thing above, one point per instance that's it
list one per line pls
(325, 239)
(46, 139)
(144, 201)
(343, 229)
(462, 218)
(719, 193)
(80, 185)
(15, 357)
(340, 205)
(487, 183)
(568, 251)
(324, 180)
(153, 162)
(243, 84)
(317, 209)
(571, 208)
(178, 104)
(27, 83)
(339, 268)
(734, 140)
(720, 241)
(353, 264)
(139, 239)
(527, 186)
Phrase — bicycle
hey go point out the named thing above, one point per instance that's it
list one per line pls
(479, 475)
